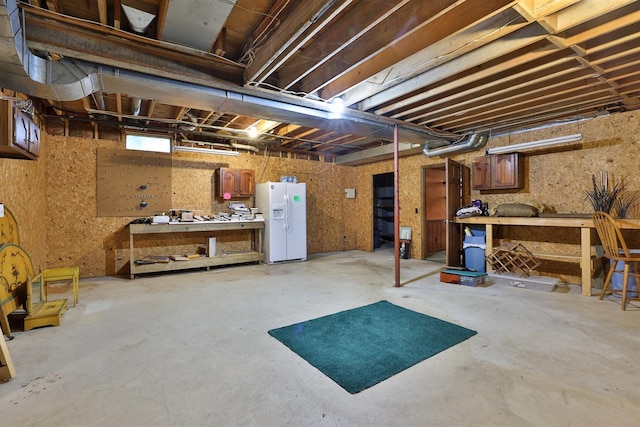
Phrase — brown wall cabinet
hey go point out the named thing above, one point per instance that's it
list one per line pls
(19, 134)
(498, 172)
(236, 182)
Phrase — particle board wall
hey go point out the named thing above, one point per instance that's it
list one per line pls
(335, 223)
(132, 183)
(557, 176)
(100, 245)
(23, 192)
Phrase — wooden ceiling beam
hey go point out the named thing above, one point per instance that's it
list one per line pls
(601, 97)
(380, 50)
(117, 14)
(586, 10)
(53, 6)
(151, 108)
(103, 45)
(305, 21)
(119, 106)
(476, 87)
(102, 12)
(440, 52)
(161, 17)
(469, 68)
(498, 47)
(356, 23)
(557, 94)
(507, 91)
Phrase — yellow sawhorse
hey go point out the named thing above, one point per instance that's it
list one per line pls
(7, 371)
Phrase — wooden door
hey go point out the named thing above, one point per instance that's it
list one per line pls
(457, 179)
(434, 219)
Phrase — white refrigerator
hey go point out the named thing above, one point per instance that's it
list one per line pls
(284, 206)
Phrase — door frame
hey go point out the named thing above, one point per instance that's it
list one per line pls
(458, 194)
(424, 200)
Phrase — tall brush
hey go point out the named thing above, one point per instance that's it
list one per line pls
(609, 201)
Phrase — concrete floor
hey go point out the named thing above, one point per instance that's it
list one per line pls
(192, 349)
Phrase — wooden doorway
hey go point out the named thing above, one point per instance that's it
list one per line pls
(445, 189)
(434, 208)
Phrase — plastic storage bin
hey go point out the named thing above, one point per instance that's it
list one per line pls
(616, 279)
(474, 251)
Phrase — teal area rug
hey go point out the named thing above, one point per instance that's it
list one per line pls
(361, 347)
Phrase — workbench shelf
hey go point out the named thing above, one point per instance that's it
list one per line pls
(208, 227)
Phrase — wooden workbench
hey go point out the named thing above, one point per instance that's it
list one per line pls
(255, 255)
(585, 224)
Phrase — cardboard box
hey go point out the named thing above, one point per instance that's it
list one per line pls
(463, 277)
(449, 278)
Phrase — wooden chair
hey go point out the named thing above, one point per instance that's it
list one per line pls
(616, 250)
(60, 274)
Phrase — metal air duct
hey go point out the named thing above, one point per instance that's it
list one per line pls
(473, 142)
(68, 80)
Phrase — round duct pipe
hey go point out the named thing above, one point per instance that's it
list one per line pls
(244, 146)
(473, 142)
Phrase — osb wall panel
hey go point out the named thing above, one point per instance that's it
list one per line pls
(131, 183)
(560, 176)
(100, 245)
(557, 176)
(331, 221)
(76, 236)
(23, 192)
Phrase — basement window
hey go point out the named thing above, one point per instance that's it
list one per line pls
(159, 144)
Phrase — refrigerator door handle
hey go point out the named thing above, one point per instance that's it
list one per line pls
(286, 211)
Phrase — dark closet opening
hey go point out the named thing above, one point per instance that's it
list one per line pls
(383, 210)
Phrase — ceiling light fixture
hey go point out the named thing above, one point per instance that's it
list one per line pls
(252, 132)
(535, 144)
(337, 105)
(205, 150)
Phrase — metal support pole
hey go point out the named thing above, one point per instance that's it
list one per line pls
(396, 206)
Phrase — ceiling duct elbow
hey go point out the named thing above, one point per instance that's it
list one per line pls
(186, 125)
(473, 142)
(136, 106)
(244, 146)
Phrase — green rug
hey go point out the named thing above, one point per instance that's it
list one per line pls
(361, 347)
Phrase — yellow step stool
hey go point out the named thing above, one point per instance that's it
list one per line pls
(41, 312)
